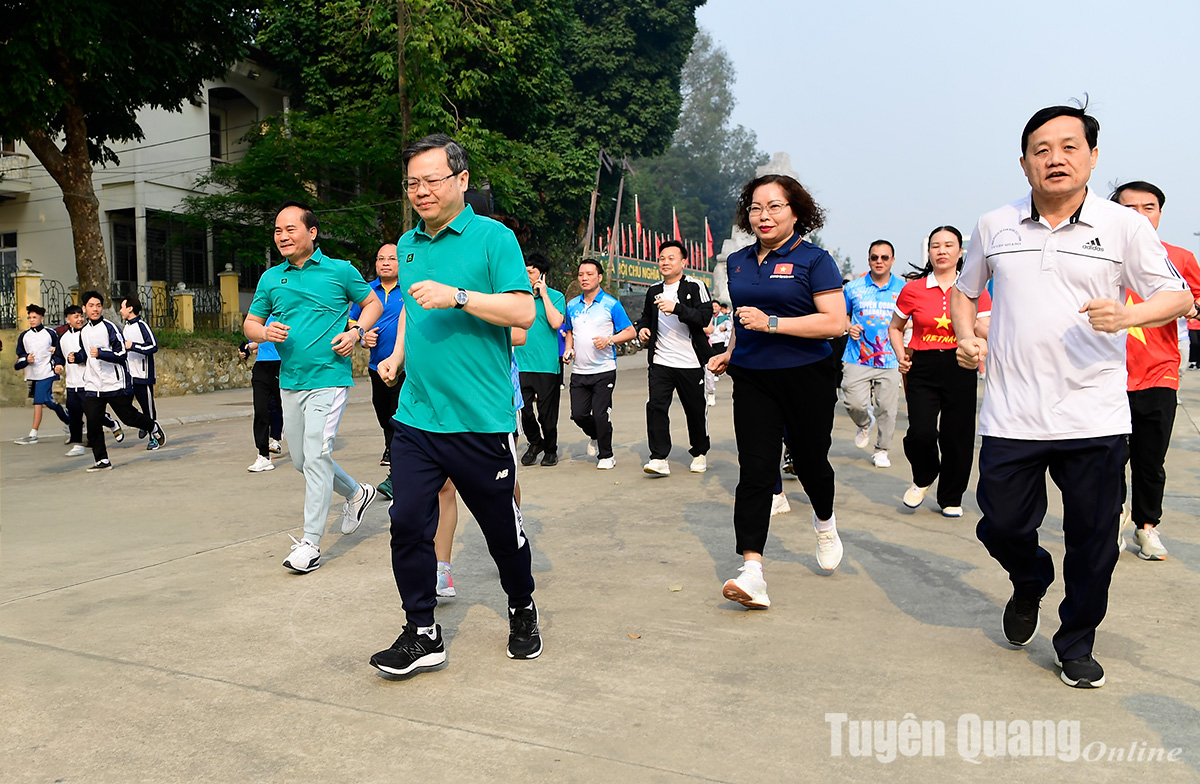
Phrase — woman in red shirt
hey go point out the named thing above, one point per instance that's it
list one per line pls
(934, 382)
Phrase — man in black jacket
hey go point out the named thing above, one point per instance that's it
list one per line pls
(672, 325)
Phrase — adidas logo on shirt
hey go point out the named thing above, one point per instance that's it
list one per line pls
(1094, 245)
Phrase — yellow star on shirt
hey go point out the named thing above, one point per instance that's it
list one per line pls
(1134, 332)
(943, 321)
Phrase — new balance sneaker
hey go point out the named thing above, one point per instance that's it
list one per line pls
(305, 556)
(952, 511)
(748, 589)
(412, 651)
(385, 488)
(153, 444)
(445, 582)
(101, 465)
(524, 638)
(550, 459)
(780, 505)
(880, 459)
(158, 435)
(1152, 546)
(593, 448)
(699, 464)
(118, 434)
(1022, 619)
(531, 455)
(26, 440)
(829, 545)
(711, 400)
(1082, 673)
(274, 447)
(606, 463)
(914, 495)
(353, 511)
(386, 458)
(77, 451)
(1124, 523)
(862, 437)
(261, 464)
(657, 468)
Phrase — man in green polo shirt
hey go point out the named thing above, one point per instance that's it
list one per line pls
(310, 298)
(465, 287)
(538, 363)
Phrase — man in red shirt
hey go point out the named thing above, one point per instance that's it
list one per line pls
(1153, 361)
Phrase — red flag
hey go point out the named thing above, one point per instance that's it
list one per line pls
(637, 214)
(708, 242)
(675, 220)
(608, 236)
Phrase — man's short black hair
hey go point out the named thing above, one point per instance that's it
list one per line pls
(1091, 126)
(307, 215)
(38, 309)
(599, 267)
(882, 242)
(88, 296)
(538, 262)
(456, 156)
(1144, 187)
(672, 244)
(133, 302)
(72, 310)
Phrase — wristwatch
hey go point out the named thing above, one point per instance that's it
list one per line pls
(361, 333)
(460, 299)
(772, 324)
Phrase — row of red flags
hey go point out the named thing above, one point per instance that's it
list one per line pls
(638, 243)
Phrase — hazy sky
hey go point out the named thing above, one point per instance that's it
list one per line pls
(903, 116)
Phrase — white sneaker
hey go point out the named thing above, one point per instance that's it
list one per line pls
(952, 511)
(593, 448)
(780, 505)
(711, 400)
(445, 583)
(862, 437)
(305, 556)
(699, 464)
(914, 495)
(261, 464)
(605, 463)
(748, 589)
(353, 511)
(26, 440)
(77, 451)
(880, 459)
(1152, 546)
(829, 546)
(1126, 520)
(274, 447)
(658, 468)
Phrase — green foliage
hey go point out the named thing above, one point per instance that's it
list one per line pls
(708, 162)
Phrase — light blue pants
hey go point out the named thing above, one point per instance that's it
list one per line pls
(310, 422)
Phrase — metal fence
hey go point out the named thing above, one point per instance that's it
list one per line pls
(158, 306)
(55, 299)
(206, 310)
(8, 308)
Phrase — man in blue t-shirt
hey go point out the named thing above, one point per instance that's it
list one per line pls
(384, 398)
(595, 323)
(869, 368)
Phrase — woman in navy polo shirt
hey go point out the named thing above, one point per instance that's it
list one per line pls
(787, 300)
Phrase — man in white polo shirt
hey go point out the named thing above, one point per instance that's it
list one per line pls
(1060, 260)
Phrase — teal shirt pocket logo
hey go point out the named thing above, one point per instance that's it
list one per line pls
(410, 258)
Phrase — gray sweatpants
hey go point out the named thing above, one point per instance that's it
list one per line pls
(310, 422)
(859, 385)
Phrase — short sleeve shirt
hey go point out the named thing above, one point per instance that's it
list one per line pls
(1152, 353)
(871, 306)
(314, 302)
(266, 350)
(785, 285)
(458, 366)
(540, 352)
(605, 316)
(1050, 375)
(923, 301)
(388, 322)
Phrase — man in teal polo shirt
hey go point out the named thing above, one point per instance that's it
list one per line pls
(310, 298)
(538, 363)
(465, 287)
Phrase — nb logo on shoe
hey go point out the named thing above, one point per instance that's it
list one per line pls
(501, 474)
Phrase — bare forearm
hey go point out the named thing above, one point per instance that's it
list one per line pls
(964, 313)
(506, 309)
(814, 325)
(1162, 308)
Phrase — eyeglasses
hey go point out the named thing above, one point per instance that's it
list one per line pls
(386, 258)
(771, 209)
(412, 185)
(877, 257)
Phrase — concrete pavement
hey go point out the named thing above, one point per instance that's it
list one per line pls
(149, 633)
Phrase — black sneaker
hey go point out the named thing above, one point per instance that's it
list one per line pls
(1022, 619)
(153, 444)
(1082, 673)
(101, 465)
(386, 460)
(524, 640)
(531, 455)
(158, 434)
(141, 433)
(411, 652)
(550, 459)
(788, 468)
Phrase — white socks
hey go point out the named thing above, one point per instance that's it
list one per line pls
(824, 526)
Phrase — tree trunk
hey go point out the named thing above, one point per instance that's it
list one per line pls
(72, 170)
(402, 91)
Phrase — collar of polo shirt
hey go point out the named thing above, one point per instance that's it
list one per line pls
(458, 225)
(1076, 218)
